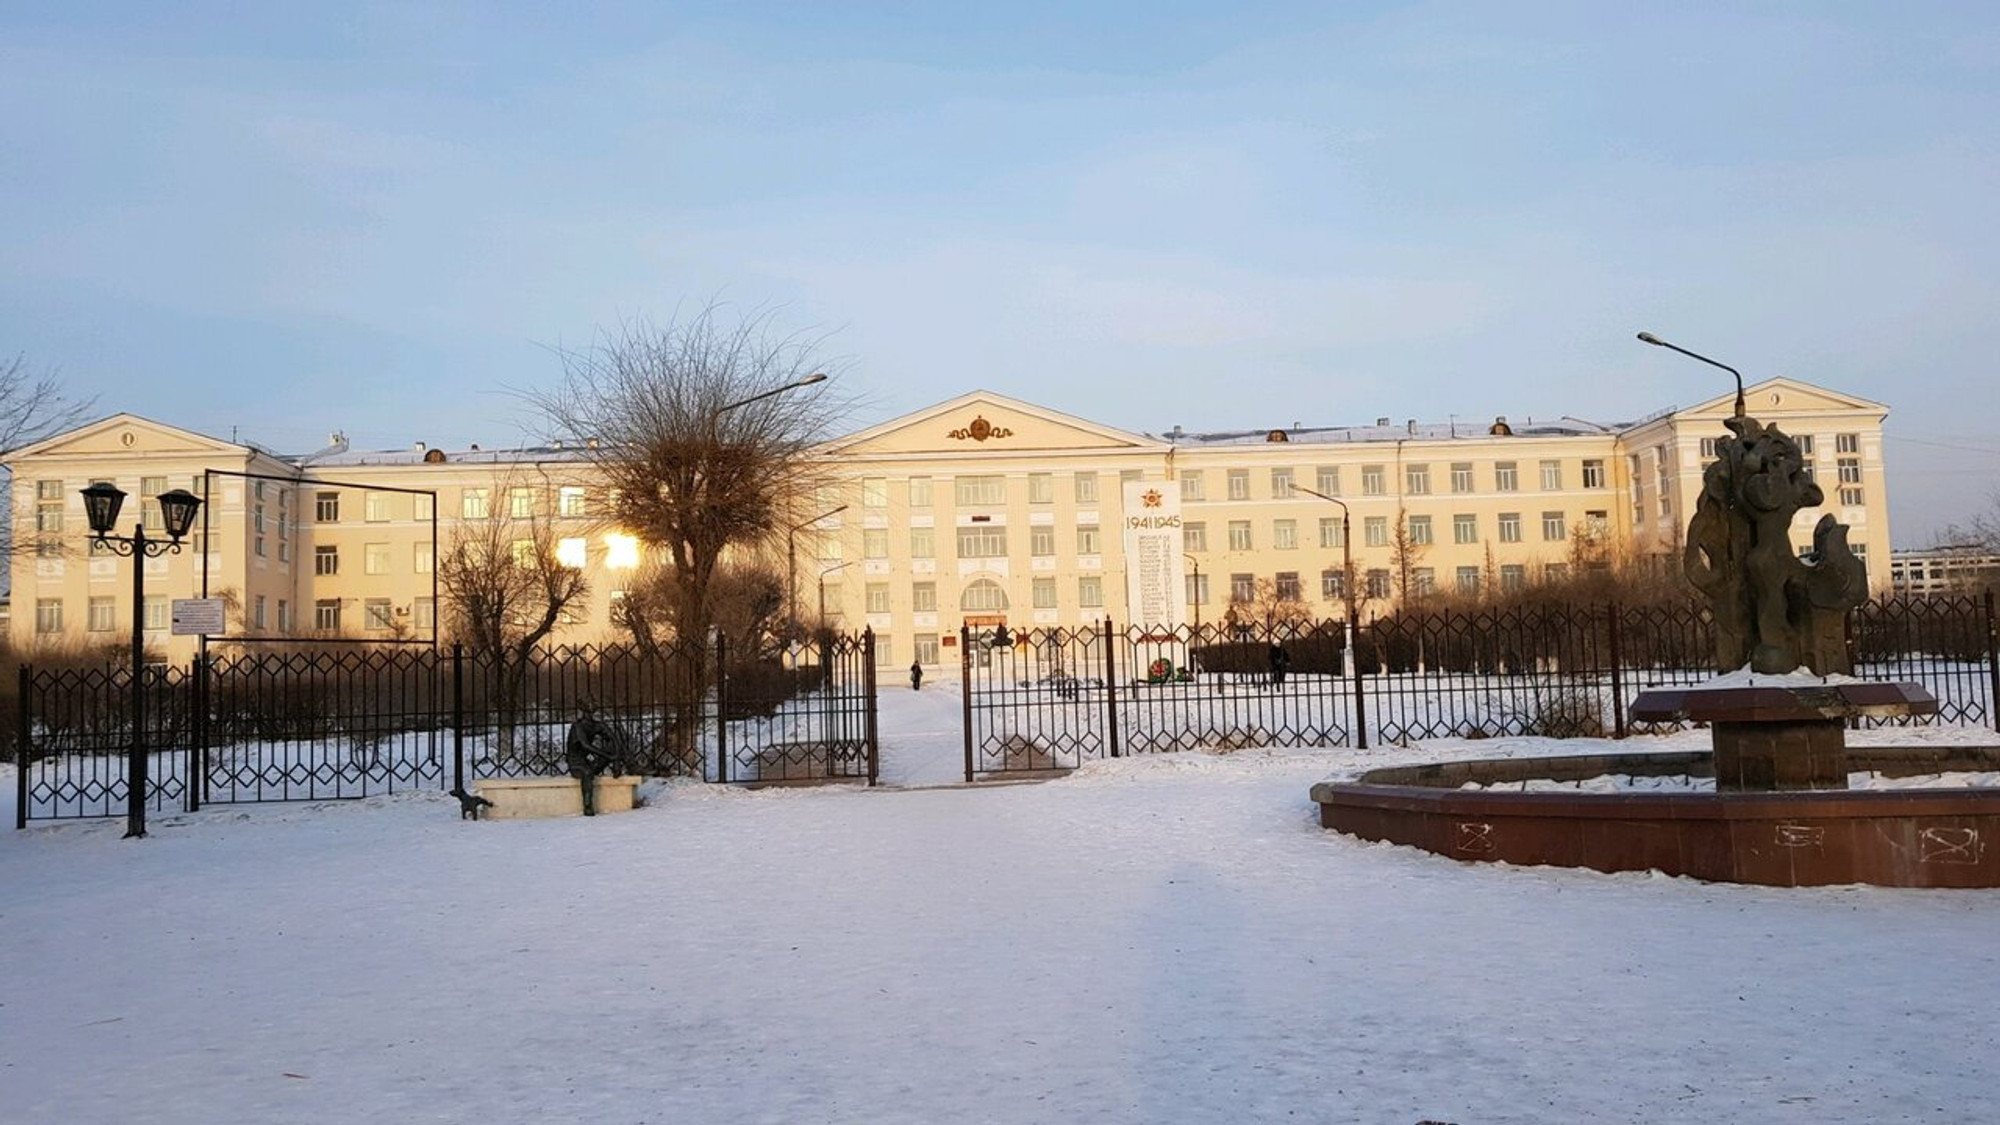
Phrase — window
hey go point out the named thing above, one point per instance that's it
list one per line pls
(1805, 444)
(923, 543)
(48, 615)
(103, 615)
(1555, 572)
(1377, 584)
(1281, 484)
(1041, 488)
(1597, 522)
(472, 505)
(1242, 587)
(1194, 536)
(983, 595)
(1239, 535)
(982, 542)
(1423, 581)
(1420, 531)
(875, 543)
(885, 652)
(1372, 481)
(1593, 474)
(1239, 484)
(977, 491)
(1194, 485)
(326, 507)
(1851, 497)
(375, 558)
(1042, 541)
(831, 549)
(1461, 476)
(1513, 576)
(1552, 527)
(49, 505)
(1850, 470)
(1417, 479)
(1285, 534)
(425, 505)
(1506, 476)
(1468, 579)
(1552, 476)
(1288, 586)
(1086, 488)
(326, 560)
(1197, 589)
(376, 614)
(1045, 593)
(1087, 540)
(877, 594)
(920, 492)
(874, 492)
(150, 515)
(375, 507)
(423, 559)
(1375, 531)
(926, 648)
(1090, 591)
(256, 525)
(1328, 477)
(523, 552)
(1847, 443)
(326, 614)
(1465, 529)
(1330, 532)
(923, 597)
(570, 501)
(1708, 447)
(1510, 527)
(155, 614)
(285, 613)
(1332, 584)
(573, 552)
(521, 503)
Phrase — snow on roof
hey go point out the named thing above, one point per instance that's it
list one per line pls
(1407, 431)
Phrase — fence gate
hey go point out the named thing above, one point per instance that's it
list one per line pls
(1037, 700)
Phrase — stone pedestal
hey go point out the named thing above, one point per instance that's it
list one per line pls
(1784, 736)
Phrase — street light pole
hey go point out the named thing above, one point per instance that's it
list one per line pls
(792, 569)
(1649, 338)
(101, 502)
(802, 381)
(1352, 659)
(1196, 599)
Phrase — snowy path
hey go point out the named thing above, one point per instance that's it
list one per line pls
(922, 735)
(1170, 939)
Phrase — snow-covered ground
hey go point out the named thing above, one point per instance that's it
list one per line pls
(1160, 939)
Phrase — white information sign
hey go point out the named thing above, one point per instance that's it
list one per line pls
(1155, 591)
(194, 617)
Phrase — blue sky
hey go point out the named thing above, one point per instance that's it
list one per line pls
(286, 219)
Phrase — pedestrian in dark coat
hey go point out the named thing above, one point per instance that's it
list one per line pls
(1281, 663)
(916, 675)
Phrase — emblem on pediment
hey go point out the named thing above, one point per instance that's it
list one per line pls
(979, 430)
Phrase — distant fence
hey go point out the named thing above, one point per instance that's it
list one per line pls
(313, 725)
(1050, 699)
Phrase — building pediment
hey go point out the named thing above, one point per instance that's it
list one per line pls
(986, 423)
(1782, 397)
(128, 435)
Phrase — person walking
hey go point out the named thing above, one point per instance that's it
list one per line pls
(1281, 662)
(916, 675)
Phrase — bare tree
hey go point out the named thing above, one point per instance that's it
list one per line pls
(1267, 604)
(33, 405)
(1406, 553)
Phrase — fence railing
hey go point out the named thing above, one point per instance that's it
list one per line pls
(311, 725)
(1050, 699)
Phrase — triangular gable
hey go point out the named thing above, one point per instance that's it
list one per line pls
(984, 422)
(127, 434)
(1782, 397)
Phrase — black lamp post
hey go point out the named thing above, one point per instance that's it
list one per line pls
(1347, 584)
(101, 502)
(792, 570)
(1649, 338)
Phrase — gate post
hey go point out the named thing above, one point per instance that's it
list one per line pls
(22, 728)
(457, 717)
(1110, 687)
(965, 691)
(722, 703)
(1617, 674)
(1992, 664)
(871, 721)
(198, 753)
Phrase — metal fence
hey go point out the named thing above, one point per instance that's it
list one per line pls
(1050, 699)
(310, 725)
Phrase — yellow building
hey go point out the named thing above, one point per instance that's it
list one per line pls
(980, 510)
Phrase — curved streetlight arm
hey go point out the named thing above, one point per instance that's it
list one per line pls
(805, 381)
(1649, 338)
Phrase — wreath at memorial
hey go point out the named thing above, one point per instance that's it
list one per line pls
(1160, 671)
